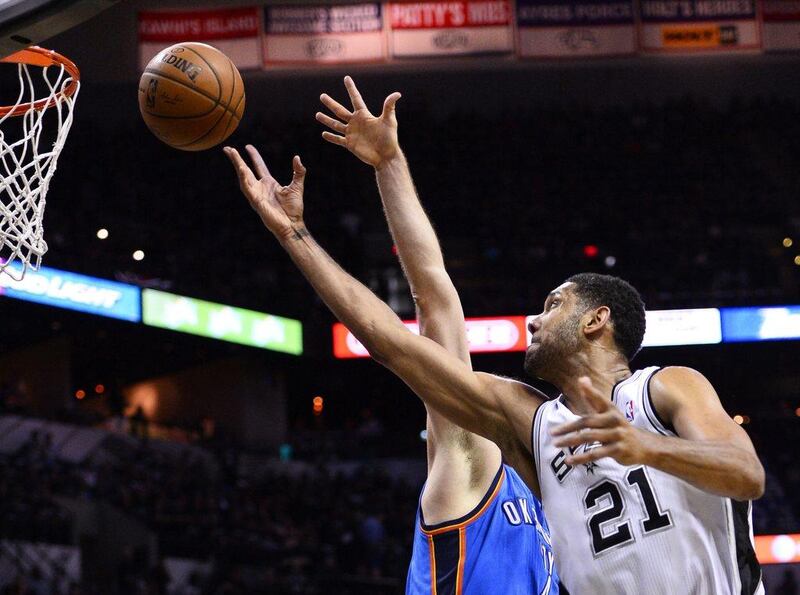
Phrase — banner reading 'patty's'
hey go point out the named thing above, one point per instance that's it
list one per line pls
(557, 28)
(781, 24)
(234, 31)
(450, 28)
(323, 34)
(699, 25)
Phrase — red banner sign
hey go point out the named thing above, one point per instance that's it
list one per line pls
(781, 25)
(778, 549)
(198, 25)
(485, 335)
(450, 28)
(234, 31)
(442, 15)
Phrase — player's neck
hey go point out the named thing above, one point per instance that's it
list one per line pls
(604, 369)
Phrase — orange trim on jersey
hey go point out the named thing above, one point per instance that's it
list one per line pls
(473, 516)
(433, 564)
(462, 558)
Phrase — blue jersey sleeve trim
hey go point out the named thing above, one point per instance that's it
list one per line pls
(472, 515)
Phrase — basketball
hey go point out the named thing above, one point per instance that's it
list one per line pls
(191, 96)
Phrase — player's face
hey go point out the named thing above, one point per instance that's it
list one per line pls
(555, 332)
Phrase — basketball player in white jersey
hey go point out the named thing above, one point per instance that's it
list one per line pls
(638, 471)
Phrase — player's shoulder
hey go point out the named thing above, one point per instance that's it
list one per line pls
(677, 388)
(674, 381)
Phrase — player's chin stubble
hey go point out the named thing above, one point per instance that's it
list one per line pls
(550, 354)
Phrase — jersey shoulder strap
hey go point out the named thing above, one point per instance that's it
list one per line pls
(632, 396)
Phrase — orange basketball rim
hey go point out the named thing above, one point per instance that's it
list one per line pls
(37, 56)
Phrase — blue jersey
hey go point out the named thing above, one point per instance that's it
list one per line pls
(502, 547)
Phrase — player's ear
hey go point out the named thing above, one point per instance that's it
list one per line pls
(596, 319)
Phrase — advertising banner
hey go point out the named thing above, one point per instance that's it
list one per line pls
(781, 20)
(462, 27)
(761, 324)
(234, 31)
(484, 335)
(218, 321)
(697, 326)
(63, 289)
(323, 34)
(559, 28)
(699, 25)
(778, 549)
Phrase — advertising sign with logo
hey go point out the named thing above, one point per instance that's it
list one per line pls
(773, 323)
(699, 25)
(75, 292)
(320, 34)
(778, 549)
(781, 28)
(558, 28)
(450, 28)
(234, 31)
(484, 335)
(226, 323)
(697, 326)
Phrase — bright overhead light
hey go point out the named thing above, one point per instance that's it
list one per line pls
(102, 233)
(787, 242)
(138, 255)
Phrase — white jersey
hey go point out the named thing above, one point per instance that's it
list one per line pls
(637, 530)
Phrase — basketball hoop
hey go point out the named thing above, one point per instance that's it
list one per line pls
(26, 169)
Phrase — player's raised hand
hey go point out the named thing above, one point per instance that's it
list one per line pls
(280, 207)
(373, 139)
(604, 425)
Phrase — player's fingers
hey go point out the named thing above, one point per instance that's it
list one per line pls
(593, 397)
(244, 173)
(593, 454)
(570, 427)
(331, 122)
(261, 168)
(355, 96)
(389, 105)
(298, 171)
(337, 108)
(596, 420)
(603, 436)
(334, 138)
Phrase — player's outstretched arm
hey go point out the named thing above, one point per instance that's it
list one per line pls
(452, 486)
(712, 452)
(373, 139)
(498, 409)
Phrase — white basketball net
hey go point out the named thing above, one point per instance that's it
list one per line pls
(26, 167)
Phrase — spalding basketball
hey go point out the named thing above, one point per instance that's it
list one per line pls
(191, 96)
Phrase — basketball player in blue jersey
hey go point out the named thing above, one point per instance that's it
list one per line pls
(478, 524)
(645, 478)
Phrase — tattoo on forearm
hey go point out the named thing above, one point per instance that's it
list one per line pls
(300, 233)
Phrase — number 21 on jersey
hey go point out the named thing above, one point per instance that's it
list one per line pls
(606, 501)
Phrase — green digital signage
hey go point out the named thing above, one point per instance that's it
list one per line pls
(218, 321)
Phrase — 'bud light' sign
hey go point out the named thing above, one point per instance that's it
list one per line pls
(76, 292)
